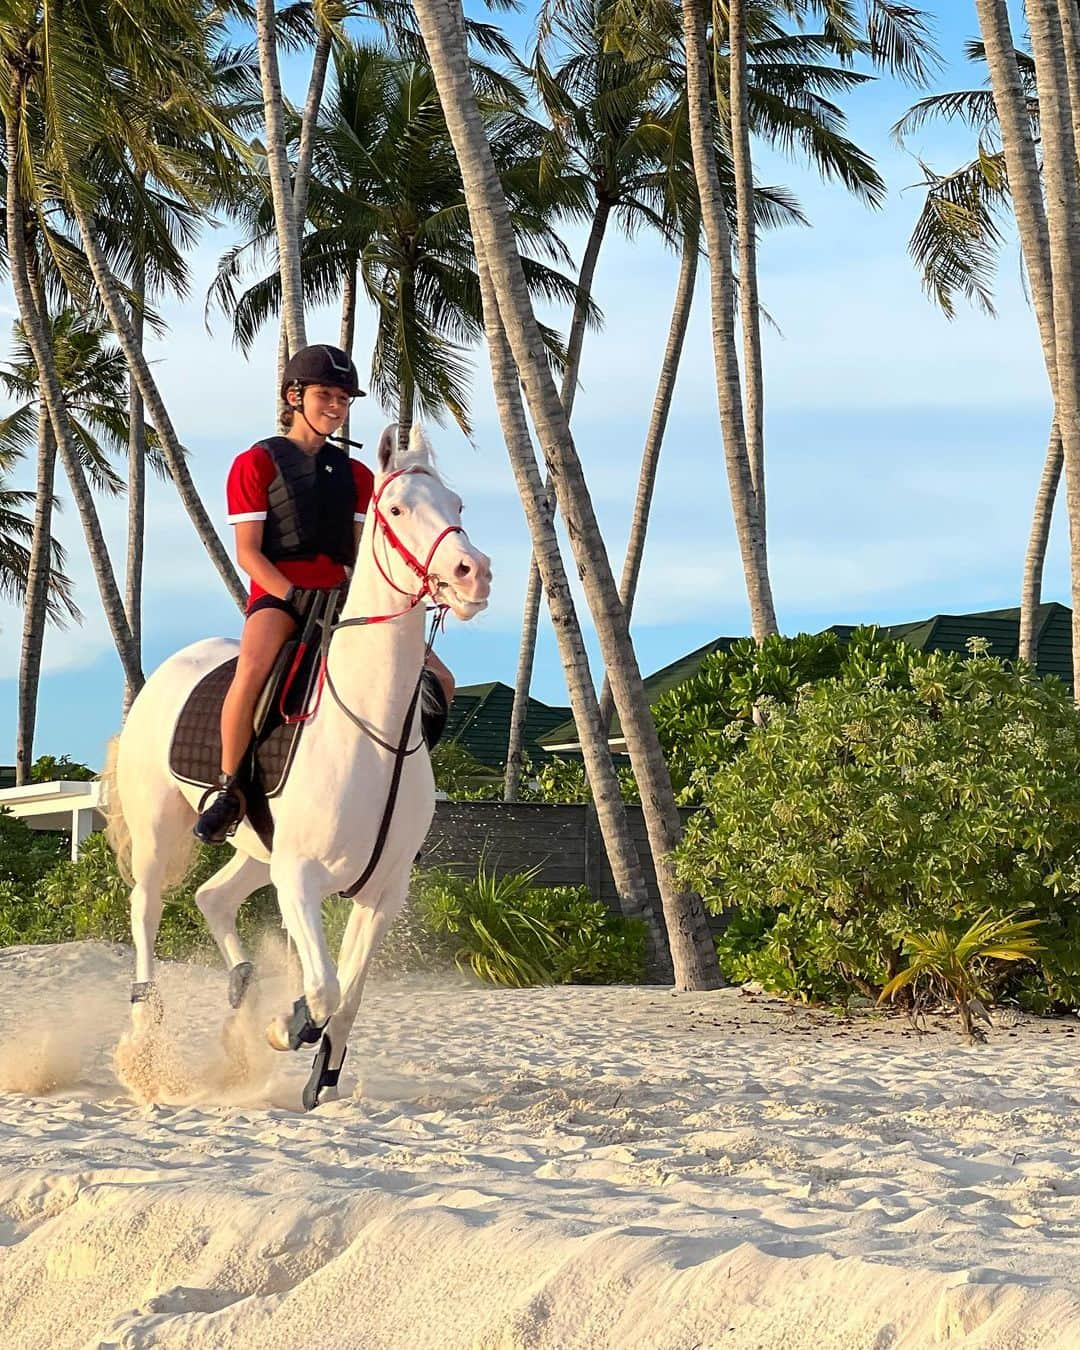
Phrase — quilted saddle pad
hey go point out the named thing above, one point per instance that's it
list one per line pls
(195, 752)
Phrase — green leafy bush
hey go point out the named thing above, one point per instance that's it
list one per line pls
(708, 717)
(89, 899)
(508, 931)
(906, 793)
(25, 854)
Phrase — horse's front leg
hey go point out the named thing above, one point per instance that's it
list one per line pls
(368, 922)
(219, 900)
(300, 896)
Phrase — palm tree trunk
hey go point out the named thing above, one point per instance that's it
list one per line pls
(144, 381)
(665, 389)
(407, 386)
(748, 515)
(1025, 186)
(35, 615)
(540, 514)
(282, 360)
(323, 42)
(347, 339)
(33, 320)
(136, 484)
(277, 163)
(1063, 222)
(749, 306)
(1035, 558)
(442, 27)
(530, 617)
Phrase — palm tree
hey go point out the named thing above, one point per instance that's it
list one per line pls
(21, 57)
(611, 127)
(388, 218)
(92, 374)
(16, 536)
(1059, 144)
(104, 85)
(441, 23)
(955, 243)
(1033, 226)
(277, 163)
(749, 519)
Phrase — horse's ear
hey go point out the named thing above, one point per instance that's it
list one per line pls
(419, 445)
(384, 456)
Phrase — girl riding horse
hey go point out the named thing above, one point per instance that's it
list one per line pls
(297, 503)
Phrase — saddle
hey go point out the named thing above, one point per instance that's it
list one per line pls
(280, 715)
(291, 693)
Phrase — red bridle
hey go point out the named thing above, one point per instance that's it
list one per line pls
(421, 569)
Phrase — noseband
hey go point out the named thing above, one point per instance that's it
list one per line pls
(421, 569)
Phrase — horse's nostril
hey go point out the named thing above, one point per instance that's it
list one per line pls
(463, 570)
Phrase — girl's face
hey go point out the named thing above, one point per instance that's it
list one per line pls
(324, 407)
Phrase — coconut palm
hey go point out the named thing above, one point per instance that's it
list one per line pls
(692, 950)
(20, 53)
(624, 64)
(388, 220)
(103, 83)
(92, 374)
(1059, 146)
(955, 245)
(1018, 148)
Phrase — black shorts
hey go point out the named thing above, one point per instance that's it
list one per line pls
(274, 602)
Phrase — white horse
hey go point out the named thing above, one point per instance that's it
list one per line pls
(328, 817)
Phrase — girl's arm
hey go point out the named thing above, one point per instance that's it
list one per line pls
(443, 675)
(255, 563)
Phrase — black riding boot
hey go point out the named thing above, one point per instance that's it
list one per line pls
(224, 813)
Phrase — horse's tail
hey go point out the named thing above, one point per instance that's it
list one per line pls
(118, 832)
(116, 827)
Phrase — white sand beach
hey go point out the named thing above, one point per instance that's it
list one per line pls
(547, 1167)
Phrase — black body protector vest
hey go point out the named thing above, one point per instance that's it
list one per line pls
(312, 502)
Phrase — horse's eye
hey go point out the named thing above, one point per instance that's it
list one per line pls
(395, 510)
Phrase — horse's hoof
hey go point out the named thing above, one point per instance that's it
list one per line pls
(322, 1085)
(290, 1033)
(240, 978)
(147, 1009)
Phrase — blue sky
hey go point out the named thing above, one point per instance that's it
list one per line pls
(903, 450)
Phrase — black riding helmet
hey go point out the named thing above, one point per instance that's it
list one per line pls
(321, 364)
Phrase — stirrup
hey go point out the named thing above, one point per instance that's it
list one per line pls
(210, 831)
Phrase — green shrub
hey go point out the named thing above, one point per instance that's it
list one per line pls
(25, 854)
(508, 931)
(905, 794)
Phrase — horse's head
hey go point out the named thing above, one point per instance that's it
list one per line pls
(420, 517)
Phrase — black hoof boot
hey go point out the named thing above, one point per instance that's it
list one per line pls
(240, 978)
(146, 992)
(321, 1075)
(300, 1027)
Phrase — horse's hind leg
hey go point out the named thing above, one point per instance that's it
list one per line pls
(219, 900)
(365, 928)
(156, 842)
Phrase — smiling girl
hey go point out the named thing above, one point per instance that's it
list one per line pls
(297, 504)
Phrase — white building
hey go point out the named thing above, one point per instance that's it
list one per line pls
(58, 806)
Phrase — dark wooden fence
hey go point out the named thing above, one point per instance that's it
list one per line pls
(564, 842)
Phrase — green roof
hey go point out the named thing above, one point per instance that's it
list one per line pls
(479, 721)
(1000, 627)
(667, 677)
(941, 633)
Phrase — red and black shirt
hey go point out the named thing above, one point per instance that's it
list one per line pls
(310, 505)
